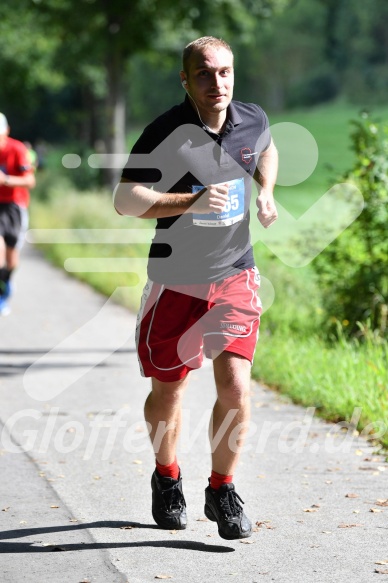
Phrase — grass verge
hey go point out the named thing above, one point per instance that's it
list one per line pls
(335, 379)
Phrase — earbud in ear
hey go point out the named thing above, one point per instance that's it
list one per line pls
(184, 83)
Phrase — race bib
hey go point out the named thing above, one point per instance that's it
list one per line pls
(233, 211)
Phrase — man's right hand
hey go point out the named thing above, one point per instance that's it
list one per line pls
(211, 199)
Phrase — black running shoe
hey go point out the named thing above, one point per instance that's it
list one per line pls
(168, 503)
(223, 506)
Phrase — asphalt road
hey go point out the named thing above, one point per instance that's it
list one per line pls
(75, 463)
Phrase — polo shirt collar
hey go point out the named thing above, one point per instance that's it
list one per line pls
(233, 115)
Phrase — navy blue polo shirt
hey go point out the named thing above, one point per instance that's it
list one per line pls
(183, 157)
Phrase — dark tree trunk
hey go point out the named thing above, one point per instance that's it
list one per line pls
(115, 113)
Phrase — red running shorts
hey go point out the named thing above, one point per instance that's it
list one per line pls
(176, 324)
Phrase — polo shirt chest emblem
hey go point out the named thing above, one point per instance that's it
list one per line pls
(247, 155)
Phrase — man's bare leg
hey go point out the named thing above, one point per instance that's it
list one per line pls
(230, 419)
(3, 261)
(162, 411)
(8, 261)
(11, 258)
(232, 375)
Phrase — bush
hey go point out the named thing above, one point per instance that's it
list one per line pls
(353, 269)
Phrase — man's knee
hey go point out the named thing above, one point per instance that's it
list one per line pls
(233, 394)
(232, 375)
(168, 392)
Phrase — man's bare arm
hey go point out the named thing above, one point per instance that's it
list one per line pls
(265, 177)
(136, 200)
(26, 180)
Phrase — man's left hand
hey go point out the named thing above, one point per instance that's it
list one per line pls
(267, 213)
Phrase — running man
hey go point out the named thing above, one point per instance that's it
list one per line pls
(201, 296)
(16, 179)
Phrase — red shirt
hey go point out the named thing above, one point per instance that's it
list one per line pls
(14, 162)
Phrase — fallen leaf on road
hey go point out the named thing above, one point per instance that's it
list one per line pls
(163, 577)
(23, 522)
(310, 510)
(382, 571)
(264, 523)
(96, 477)
(5, 509)
(126, 527)
(53, 506)
(381, 502)
(342, 525)
(375, 510)
(173, 532)
(247, 542)
(202, 520)
(359, 452)
(352, 495)
(137, 462)
(381, 563)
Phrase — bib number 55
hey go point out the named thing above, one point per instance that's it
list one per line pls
(232, 203)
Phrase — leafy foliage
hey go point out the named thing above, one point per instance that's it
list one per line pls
(353, 270)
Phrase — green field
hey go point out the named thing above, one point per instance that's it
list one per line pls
(292, 354)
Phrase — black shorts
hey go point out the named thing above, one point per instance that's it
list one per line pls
(13, 224)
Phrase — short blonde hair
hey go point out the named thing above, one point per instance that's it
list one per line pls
(199, 45)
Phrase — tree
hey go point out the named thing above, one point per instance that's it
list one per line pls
(107, 33)
(26, 59)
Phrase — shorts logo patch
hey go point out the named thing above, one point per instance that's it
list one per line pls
(238, 327)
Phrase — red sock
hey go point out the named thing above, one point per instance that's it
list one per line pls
(168, 471)
(217, 480)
